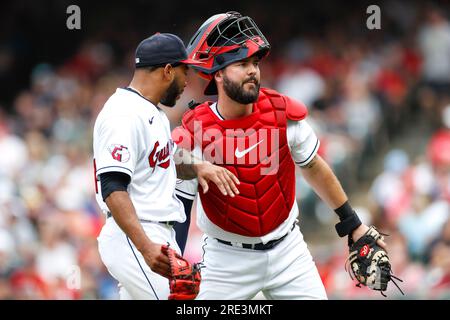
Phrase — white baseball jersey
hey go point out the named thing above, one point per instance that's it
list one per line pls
(132, 135)
(303, 144)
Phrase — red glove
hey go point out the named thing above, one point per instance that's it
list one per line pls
(185, 279)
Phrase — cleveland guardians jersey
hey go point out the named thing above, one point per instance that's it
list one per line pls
(132, 136)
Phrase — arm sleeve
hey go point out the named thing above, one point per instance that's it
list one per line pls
(113, 181)
(117, 147)
(303, 142)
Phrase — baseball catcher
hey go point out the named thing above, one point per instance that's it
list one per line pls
(185, 278)
(369, 263)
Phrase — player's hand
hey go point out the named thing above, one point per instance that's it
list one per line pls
(361, 230)
(224, 179)
(156, 259)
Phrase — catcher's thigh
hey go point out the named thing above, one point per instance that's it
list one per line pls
(284, 272)
(126, 264)
(230, 273)
(293, 275)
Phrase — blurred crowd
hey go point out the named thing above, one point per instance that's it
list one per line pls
(373, 96)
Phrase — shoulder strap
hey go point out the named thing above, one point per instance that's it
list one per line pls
(295, 110)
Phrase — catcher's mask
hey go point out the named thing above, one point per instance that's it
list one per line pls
(223, 39)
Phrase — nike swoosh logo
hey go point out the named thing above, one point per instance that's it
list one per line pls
(240, 154)
(151, 120)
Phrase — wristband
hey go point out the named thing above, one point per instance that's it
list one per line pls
(349, 220)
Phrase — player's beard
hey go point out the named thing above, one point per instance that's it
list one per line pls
(237, 92)
(170, 97)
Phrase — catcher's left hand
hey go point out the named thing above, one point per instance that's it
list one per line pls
(369, 263)
(184, 279)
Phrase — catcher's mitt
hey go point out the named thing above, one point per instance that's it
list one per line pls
(185, 278)
(369, 263)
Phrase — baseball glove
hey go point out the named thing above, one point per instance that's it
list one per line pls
(369, 263)
(185, 278)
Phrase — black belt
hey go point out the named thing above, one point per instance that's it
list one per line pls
(167, 223)
(258, 246)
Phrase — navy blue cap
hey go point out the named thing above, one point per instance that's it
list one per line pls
(161, 49)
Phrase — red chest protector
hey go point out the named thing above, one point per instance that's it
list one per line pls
(255, 149)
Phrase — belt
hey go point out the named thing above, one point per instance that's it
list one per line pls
(258, 246)
(167, 223)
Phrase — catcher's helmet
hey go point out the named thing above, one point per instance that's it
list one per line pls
(223, 39)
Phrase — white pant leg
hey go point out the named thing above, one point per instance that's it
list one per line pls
(125, 263)
(293, 273)
(230, 273)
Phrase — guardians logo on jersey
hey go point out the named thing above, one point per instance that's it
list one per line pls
(119, 152)
(160, 158)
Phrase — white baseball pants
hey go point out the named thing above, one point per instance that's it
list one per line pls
(126, 264)
(285, 272)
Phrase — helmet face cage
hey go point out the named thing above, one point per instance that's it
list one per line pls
(232, 33)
